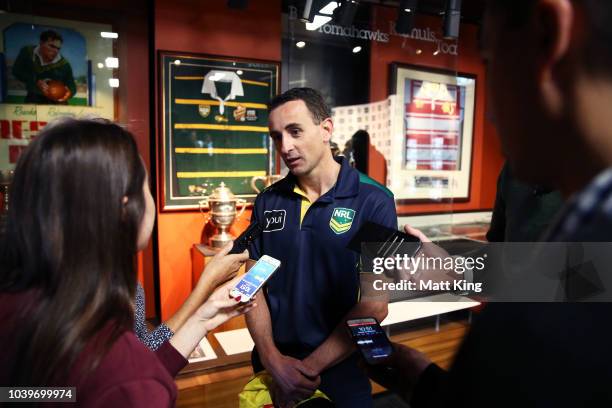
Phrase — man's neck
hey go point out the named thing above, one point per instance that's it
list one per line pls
(321, 179)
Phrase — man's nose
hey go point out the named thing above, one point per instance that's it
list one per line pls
(286, 144)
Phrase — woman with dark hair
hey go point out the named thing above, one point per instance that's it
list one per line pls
(80, 210)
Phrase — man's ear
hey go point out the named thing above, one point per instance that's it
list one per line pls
(552, 24)
(327, 127)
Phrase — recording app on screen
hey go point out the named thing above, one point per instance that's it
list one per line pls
(371, 339)
(256, 277)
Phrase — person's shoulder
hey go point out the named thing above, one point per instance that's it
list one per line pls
(27, 49)
(370, 186)
(128, 368)
(129, 360)
(272, 191)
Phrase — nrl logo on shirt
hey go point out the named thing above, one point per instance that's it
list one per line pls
(341, 220)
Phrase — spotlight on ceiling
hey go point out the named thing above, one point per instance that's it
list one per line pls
(344, 14)
(452, 19)
(405, 16)
(238, 4)
(312, 8)
(356, 49)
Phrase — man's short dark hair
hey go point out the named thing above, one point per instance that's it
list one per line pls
(314, 101)
(51, 35)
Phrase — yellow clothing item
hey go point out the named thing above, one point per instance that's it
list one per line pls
(256, 394)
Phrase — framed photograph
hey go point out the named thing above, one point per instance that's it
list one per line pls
(214, 126)
(432, 124)
(50, 68)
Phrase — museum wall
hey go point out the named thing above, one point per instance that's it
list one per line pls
(130, 20)
(486, 155)
(209, 28)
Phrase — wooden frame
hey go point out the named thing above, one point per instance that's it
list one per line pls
(213, 125)
(432, 134)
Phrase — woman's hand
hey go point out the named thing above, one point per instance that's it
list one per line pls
(218, 309)
(222, 266)
(220, 306)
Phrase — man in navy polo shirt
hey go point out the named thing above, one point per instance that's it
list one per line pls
(309, 218)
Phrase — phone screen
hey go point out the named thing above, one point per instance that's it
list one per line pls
(256, 277)
(371, 339)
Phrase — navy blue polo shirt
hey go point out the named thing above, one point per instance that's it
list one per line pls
(318, 282)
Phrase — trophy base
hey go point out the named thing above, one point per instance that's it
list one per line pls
(220, 240)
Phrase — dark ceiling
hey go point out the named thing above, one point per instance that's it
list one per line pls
(471, 10)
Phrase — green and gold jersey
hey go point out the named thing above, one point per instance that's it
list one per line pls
(215, 126)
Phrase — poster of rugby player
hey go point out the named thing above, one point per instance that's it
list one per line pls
(45, 65)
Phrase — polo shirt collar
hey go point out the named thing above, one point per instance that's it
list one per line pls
(347, 184)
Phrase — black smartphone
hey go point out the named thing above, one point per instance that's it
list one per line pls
(246, 238)
(371, 339)
(384, 242)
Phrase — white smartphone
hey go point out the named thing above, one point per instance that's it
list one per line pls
(255, 278)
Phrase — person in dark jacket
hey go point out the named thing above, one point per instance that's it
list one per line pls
(551, 110)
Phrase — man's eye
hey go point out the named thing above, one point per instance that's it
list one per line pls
(295, 132)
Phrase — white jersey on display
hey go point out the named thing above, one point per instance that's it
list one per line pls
(209, 86)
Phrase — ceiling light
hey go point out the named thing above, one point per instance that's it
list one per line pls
(329, 8)
(319, 21)
(345, 13)
(356, 49)
(405, 16)
(300, 44)
(452, 19)
(111, 62)
(106, 34)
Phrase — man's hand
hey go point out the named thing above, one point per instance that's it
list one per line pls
(401, 371)
(293, 379)
(428, 250)
(67, 95)
(42, 85)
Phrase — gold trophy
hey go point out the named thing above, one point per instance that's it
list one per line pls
(222, 204)
(267, 181)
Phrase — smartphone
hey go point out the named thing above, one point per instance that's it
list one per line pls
(384, 242)
(371, 339)
(255, 278)
(246, 238)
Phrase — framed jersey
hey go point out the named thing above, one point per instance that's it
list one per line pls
(214, 125)
(432, 127)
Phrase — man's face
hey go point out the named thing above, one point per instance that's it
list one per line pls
(49, 49)
(513, 96)
(301, 142)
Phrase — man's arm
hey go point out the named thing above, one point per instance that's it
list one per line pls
(293, 379)
(70, 81)
(338, 345)
(259, 324)
(21, 69)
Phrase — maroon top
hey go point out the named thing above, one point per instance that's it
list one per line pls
(129, 375)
